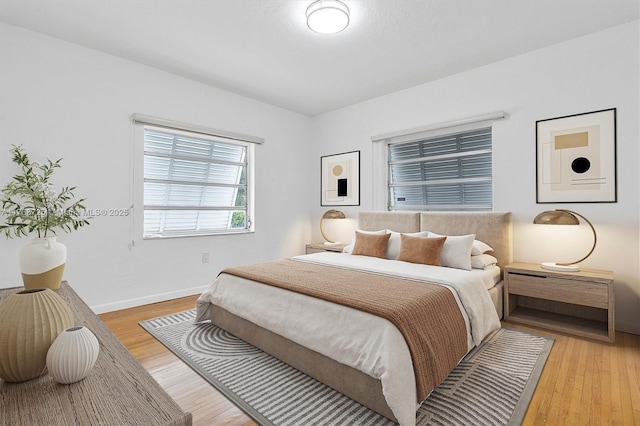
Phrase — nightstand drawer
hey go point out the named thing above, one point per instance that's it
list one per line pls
(560, 290)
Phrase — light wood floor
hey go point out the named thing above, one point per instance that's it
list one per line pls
(583, 382)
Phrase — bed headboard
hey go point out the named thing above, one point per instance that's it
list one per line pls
(493, 228)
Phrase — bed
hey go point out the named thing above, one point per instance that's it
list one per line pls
(365, 357)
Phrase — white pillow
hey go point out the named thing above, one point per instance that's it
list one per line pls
(349, 247)
(456, 252)
(483, 261)
(393, 247)
(479, 247)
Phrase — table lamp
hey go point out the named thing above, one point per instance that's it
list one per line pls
(564, 217)
(330, 214)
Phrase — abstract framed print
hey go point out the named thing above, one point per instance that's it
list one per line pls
(340, 179)
(576, 158)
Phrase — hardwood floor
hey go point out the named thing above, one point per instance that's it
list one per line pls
(186, 387)
(583, 382)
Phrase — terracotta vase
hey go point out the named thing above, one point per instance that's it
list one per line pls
(72, 355)
(42, 263)
(30, 321)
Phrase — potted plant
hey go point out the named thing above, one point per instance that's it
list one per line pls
(31, 205)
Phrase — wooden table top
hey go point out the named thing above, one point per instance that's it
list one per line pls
(117, 391)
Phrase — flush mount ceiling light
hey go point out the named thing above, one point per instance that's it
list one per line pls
(327, 16)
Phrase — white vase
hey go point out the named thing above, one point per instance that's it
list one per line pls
(72, 355)
(42, 263)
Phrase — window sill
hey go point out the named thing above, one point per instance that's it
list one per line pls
(195, 234)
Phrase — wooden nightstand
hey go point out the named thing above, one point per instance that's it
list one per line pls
(578, 303)
(320, 247)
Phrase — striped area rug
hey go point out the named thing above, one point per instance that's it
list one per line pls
(491, 386)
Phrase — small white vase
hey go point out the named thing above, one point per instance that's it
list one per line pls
(42, 263)
(72, 355)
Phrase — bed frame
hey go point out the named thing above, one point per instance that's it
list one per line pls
(492, 228)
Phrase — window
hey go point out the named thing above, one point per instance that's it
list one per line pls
(195, 184)
(445, 172)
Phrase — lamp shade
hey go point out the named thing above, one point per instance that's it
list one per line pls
(333, 214)
(327, 16)
(564, 217)
(556, 217)
(330, 214)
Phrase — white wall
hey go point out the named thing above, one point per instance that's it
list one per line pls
(595, 72)
(63, 100)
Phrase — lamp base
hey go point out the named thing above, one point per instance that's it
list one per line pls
(334, 243)
(561, 268)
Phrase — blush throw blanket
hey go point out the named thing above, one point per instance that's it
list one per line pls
(427, 315)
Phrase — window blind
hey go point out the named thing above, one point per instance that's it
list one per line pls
(448, 172)
(194, 184)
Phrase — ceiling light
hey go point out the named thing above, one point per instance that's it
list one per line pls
(327, 16)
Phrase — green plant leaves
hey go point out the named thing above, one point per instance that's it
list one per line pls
(31, 204)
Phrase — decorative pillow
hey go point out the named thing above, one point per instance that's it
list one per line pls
(393, 249)
(371, 245)
(349, 248)
(483, 261)
(456, 252)
(421, 249)
(479, 247)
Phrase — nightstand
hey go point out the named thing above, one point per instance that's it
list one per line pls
(320, 247)
(578, 303)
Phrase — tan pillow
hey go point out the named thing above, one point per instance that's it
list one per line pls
(421, 249)
(393, 248)
(371, 245)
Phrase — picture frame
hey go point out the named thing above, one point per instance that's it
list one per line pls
(340, 179)
(576, 158)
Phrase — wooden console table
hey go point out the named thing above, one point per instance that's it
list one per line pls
(117, 391)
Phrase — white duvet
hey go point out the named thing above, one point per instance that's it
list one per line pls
(363, 341)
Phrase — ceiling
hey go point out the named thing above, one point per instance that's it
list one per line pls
(262, 48)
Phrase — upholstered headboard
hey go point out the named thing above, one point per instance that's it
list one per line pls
(493, 228)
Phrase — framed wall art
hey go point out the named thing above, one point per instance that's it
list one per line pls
(576, 158)
(340, 179)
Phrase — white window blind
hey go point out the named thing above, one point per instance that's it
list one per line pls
(194, 184)
(447, 172)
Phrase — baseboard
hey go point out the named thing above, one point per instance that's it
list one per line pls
(146, 300)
